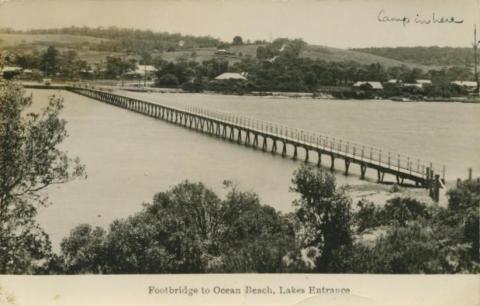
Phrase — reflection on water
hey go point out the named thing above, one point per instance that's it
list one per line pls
(130, 157)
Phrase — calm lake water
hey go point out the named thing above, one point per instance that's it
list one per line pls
(130, 157)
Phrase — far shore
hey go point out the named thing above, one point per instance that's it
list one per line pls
(276, 94)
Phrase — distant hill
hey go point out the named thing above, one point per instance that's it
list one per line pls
(114, 39)
(428, 56)
(94, 44)
(14, 39)
(327, 54)
(337, 55)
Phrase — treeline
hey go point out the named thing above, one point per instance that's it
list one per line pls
(428, 56)
(189, 229)
(278, 66)
(52, 63)
(120, 39)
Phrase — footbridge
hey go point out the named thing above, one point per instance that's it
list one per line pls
(282, 140)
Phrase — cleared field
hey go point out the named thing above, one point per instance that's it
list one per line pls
(338, 55)
(9, 40)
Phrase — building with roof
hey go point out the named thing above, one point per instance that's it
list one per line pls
(423, 82)
(231, 76)
(414, 85)
(370, 84)
(468, 85)
(394, 81)
(142, 71)
(223, 52)
(9, 72)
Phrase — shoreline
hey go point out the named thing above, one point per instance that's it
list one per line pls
(275, 94)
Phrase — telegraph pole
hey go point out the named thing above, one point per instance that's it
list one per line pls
(475, 57)
(144, 74)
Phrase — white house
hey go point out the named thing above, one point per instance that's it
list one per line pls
(231, 76)
(417, 85)
(424, 82)
(10, 71)
(223, 52)
(468, 85)
(372, 84)
(145, 69)
(142, 71)
(472, 84)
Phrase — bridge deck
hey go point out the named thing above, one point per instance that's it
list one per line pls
(399, 165)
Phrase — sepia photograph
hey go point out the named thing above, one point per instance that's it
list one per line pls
(212, 152)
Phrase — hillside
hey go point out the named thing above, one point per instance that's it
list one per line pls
(65, 40)
(431, 56)
(328, 54)
(338, 55)
(94, 49)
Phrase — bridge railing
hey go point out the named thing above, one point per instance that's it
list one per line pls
(366, 153)
(392, 160)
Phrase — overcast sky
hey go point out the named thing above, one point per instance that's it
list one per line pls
(338, 23)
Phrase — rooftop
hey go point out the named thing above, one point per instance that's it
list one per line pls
(373, 84)
(465, 83)
(230, 76)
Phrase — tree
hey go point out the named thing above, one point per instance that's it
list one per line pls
(237, 40)
(83, 252)
(50, 63)
(464, 205)
(28, 60)
(30, 161)
(324, 214)
(418, 247)
(146, 58)
(71, 66)
(168, 80)
(416, 238)
(311, 81)
(117, 66)
(186, 229)
(413, 75)
(253, 237)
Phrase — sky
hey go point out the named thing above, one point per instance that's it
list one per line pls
(336, 23)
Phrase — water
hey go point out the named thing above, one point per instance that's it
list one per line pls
(443, 133)
(130, 157)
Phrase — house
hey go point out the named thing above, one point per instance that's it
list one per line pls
(424, 82)
(371, 84)
(413, 85)
(468, 85)
(232, 76)
(223, 52)
(145, 69)
(394, 81)
(31, 74)
(11, 69)
(9, 72)
(142, 71)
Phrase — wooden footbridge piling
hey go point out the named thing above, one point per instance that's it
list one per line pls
(269, 136)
